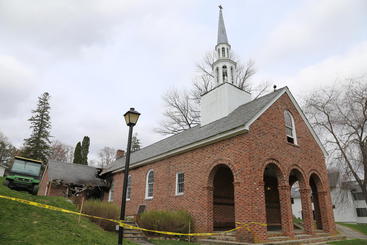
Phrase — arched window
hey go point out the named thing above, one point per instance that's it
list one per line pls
(290, 129)
(128, 189)
(223, 52)
(225, 73)
(149, 185)
(217, 73)
(218, 52)
(227, 52)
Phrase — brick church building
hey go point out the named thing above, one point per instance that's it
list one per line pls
(238, 165)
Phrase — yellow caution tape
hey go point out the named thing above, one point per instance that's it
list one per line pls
(127, 226)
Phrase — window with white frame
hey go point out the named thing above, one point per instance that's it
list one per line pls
(290, 129)
(110, 193)
(149, 184)
(128, 189)
(180, 183)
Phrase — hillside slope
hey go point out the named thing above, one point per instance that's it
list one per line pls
(29, 225)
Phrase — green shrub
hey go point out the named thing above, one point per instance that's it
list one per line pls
(102, 209)
(173, 221)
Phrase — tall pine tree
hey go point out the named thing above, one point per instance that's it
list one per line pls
(85, 150)
(78, 153)
(38, 145)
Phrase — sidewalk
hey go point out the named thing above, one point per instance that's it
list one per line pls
(350, 233)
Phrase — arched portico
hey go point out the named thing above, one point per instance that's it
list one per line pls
(222, 202)
(317, 201)
(272, 177)
(297, 182)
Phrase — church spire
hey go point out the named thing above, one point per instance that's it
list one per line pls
(222, 34)
(224, 67)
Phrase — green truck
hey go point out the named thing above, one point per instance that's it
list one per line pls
(25, 174)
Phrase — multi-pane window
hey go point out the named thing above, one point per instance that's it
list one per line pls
(110, 193)
(361, 212)
(128, 189)
(149, 185)
(290, 130)
(180, 183)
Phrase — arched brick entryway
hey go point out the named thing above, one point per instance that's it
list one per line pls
(223, 211)
(272, 177)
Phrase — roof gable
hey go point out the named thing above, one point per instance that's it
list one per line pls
(299, 110)
(237, 122)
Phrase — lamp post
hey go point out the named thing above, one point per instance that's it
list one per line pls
(131, 118)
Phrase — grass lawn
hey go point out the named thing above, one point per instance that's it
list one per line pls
(171, 242)
(29, 225)
(350, 242)
(358, 227)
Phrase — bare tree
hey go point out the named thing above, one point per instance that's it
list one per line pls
(106, 156)
(7, 150)
(183, 106)
(340, 116)
(61, 152)
(182, 112)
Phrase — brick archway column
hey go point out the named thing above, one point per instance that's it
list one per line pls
(328, 224)
(250, 210)
(259, 212)
(306, 210)
(210, 208)
(286, 209)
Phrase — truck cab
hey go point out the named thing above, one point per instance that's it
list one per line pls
(25, 174)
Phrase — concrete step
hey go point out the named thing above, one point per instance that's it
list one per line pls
(310, 240)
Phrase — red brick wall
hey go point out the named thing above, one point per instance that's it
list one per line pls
(246, 155)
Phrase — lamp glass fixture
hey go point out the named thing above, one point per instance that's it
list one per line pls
(131, 117)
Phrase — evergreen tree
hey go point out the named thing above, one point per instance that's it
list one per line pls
(78, 153)
(85, 150)
(38, 145)
(135, 143)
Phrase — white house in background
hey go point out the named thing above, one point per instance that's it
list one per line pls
(348, 202)
(2, 170)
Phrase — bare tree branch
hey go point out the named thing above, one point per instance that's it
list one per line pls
(340, 114)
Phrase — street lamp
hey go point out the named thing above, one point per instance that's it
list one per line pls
(131, 118)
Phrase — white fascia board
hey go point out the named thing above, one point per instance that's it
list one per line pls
(286, 90)
(208, 141)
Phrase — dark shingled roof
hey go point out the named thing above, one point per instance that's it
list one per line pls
(77, 174)
(239, 117)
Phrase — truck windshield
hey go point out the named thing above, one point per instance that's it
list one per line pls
(24, 167)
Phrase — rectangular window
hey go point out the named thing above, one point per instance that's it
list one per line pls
(110, 193)
(180, 183)
(361, 212)
(128, 189)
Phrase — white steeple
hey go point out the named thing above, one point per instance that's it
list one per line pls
(223, 67)
(225, 97)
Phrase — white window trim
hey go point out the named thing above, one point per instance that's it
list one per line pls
(176, 192)
(110, 196)
(129, 177)
(293, 126)
(147, 185)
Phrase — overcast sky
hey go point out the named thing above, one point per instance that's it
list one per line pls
(99, 58)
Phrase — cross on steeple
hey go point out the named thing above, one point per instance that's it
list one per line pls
(220, 7)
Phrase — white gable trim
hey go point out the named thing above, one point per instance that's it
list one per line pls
(286, 90)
